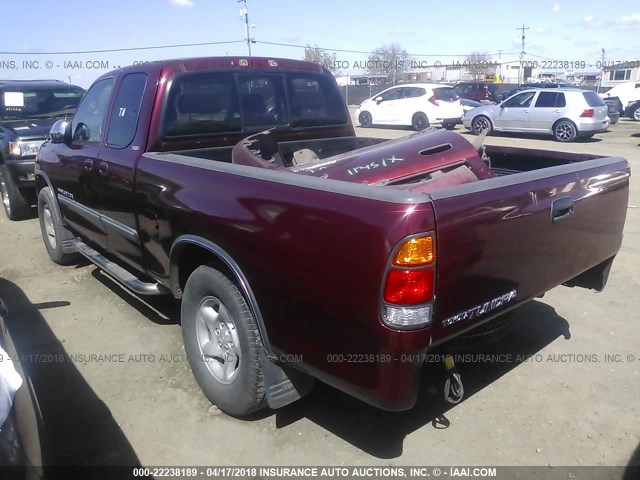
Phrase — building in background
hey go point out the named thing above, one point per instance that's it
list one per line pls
(617, 74)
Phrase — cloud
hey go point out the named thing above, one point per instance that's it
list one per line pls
(556, 8)
(591, 22)
(543, 31)
(182, 3)
(628, 22)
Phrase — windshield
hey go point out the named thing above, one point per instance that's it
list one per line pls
(38, 103)
(214, 103)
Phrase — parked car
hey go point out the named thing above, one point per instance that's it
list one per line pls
(612, 110)
(624, 93)
(527, 86)
(300, 251)
(418, 105)
(479, 91)
(28, 109)
(469, 104)
(633, 110)
(565, 113)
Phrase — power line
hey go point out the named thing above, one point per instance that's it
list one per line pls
(368, 52)
(155, 47)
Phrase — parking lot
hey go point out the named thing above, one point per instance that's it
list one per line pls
(119, 389)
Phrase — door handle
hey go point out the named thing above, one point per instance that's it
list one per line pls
(88, 165)
(562, 209)
(103, 168)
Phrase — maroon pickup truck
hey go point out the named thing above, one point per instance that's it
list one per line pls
(300, 251)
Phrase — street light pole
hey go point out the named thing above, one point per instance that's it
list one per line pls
(521, 72)
(244, 12)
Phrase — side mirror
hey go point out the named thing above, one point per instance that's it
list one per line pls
(379, 100)
(60, 132)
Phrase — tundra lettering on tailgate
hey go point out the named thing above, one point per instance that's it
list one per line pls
(483, 309)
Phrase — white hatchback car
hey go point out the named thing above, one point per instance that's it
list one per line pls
(565, 113)
(418, 105)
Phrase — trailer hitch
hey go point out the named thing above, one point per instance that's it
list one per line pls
(453, 388)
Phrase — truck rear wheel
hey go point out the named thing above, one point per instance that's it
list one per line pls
(53, 231)
(15, 204)
(222, 342)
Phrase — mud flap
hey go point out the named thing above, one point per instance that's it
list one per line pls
(283, 384)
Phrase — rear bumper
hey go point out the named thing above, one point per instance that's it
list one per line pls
(594, 127)
(447, 121)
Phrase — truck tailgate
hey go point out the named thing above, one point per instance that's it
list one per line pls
(505, 240)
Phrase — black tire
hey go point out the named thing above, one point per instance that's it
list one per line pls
(419, 121)
(54, 233)
(565, 131)
(365, 120)
(15, 203)
(222, 342)
(449, 126)
(481, 123)
(635, 114)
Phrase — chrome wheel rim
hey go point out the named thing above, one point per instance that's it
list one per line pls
(564, 131)
(48, 227)
(218, 340)
(636, 114)
(5, 196)
(480, 125)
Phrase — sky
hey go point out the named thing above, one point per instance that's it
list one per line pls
(34, 32)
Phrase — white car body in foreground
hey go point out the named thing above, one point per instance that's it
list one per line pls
(565, 113)
(419, 105)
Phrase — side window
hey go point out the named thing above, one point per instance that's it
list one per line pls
(126, 109)
(522, 100)
(86, 126)
(560, 100)
(414, 92)
(546, 100)
(393, 94)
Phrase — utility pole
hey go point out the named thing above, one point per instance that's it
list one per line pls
(601, 72)
(521, 72)
(244, 12)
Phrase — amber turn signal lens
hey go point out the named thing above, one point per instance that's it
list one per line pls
(416, 252)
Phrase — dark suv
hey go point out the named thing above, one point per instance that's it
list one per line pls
(478, 91)
(28, 109)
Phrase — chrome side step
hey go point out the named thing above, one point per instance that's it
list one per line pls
(118, 273)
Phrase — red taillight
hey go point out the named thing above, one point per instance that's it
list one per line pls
(409, 287)
(587, 113)
(433, 100)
